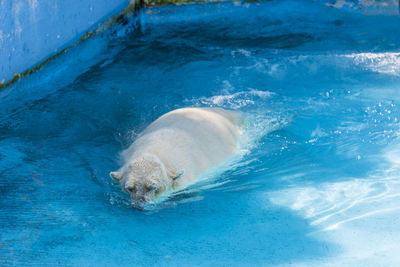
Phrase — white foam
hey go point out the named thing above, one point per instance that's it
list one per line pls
(234, 101)
(386, 63)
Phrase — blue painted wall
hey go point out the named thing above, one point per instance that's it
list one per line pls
(32, 30)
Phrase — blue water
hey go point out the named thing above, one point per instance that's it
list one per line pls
(319, 183)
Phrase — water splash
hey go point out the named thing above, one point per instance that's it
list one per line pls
(236, 101)
(386, 63)
(255, 126)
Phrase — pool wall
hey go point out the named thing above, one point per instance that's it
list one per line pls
(32, 30)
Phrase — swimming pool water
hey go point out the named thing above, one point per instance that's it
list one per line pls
(319, 184)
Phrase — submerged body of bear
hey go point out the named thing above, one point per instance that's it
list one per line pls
(175, 149)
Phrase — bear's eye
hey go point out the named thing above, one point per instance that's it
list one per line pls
(149, 188)
(131, 189)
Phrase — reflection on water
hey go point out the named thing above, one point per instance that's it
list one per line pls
(360, 214)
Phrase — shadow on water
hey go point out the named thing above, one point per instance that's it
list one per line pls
(224, 231)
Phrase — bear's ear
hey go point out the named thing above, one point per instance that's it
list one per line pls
(175, 175)
(116, 175)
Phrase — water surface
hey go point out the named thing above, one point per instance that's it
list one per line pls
(319, 184)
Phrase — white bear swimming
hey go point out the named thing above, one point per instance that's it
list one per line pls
(175, 149)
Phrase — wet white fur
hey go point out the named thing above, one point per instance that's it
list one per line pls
(180, 145)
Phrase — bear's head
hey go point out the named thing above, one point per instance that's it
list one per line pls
(144, 178)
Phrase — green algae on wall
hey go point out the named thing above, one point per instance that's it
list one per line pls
(179, 2)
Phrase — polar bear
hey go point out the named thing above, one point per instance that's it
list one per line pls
(175, 149)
